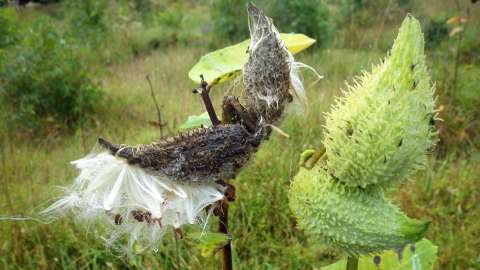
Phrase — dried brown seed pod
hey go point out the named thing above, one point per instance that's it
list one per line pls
(266, 75)
(198, 156)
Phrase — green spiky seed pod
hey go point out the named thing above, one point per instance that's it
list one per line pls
(350, 219)
(380, 131)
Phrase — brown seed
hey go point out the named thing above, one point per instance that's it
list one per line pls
(137, 215)
(158, 221)
(147, 216)
(118, 219)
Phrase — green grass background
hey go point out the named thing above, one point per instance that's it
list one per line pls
(264, 232)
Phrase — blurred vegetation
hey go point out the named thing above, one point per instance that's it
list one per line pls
(44, 83)
(453, 42)
(8, 27)
(87, 20)
(74, 70)
(359, 12)
(304, 16)
(436, 31)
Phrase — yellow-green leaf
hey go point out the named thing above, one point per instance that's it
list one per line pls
(296, 42)
(224, 64)
(420, 256)
(208, 242)
(194, 121)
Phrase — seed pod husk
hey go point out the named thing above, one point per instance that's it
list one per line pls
(266, 75)
(199, 156)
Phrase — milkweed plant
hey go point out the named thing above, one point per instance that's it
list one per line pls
(376, 135)
(140, 191)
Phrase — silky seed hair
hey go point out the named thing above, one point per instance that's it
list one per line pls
(271, 76)
(266, 75)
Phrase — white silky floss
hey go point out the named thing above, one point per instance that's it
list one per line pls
(110, 189)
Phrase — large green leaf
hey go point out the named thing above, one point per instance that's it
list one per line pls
(208, 242)
(420, 256)
(224, 64)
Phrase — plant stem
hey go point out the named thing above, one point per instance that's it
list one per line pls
(177, 252)
(318, 155)
(208, 102)
(352, 263)
(223, 228)
(210, 110)
(159, 114)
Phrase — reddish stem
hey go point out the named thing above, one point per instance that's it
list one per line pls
(208, 102)
(210, 109)
(223, 228)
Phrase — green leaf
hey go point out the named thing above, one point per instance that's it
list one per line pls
(224, 64)
(208, 242)
(194, 121)
(420, 256)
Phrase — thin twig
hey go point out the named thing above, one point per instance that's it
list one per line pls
(82, 137)
(457, 51)
(382, 25)
(159, 114)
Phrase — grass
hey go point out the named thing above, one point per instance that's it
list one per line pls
(263, 229)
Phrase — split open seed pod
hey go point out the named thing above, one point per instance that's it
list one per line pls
(270, 77)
